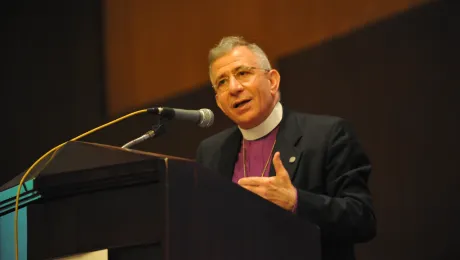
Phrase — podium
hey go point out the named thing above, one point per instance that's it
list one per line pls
(141, 205)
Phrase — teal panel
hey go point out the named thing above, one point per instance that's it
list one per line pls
(7, 241)
(11, 192)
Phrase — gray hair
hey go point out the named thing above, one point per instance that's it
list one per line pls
(227, 44)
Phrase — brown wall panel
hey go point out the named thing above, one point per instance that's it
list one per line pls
(158, 49)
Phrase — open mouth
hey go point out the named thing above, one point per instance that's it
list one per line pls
(241, 103)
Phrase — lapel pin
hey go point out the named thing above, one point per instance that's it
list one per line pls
(292, 159)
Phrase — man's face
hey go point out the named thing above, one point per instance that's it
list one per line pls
(244, 92)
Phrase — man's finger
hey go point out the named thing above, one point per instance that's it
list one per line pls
(278, 164)
(254, 181)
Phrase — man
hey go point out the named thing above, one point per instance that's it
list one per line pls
(320, 172)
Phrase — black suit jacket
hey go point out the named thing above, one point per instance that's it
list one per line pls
(330, 172)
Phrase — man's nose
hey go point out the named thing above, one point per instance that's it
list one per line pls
(234, 85)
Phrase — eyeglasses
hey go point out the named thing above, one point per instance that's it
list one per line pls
(244, 75)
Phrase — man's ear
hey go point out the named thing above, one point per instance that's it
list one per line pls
(274, 78)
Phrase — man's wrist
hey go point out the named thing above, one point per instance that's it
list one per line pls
(294, 208)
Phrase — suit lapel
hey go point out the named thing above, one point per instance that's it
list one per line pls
(229, 153)
(289, 135)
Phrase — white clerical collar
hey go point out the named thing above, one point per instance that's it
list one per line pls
(266, 126)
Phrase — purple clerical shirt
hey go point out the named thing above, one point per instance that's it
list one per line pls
(258, 152)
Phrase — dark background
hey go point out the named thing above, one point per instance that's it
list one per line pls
(396, 80)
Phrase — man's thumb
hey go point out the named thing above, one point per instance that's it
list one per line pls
(278, 164)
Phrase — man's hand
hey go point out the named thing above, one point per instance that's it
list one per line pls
(277, 189)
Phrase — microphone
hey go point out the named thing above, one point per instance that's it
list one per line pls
(203, 117)
(156, 131)
(140, 139)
